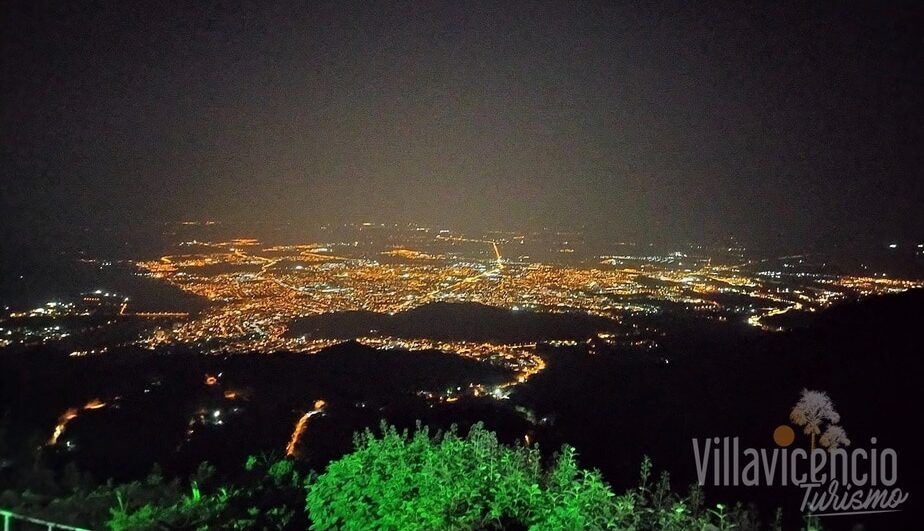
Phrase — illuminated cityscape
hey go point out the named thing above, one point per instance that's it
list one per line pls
(460, 265)
(254, 291)
(257, 290)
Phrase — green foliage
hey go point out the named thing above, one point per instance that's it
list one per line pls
(414, 481)
(189, 512)
(265, 497)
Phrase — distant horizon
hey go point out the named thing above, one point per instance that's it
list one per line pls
(595, 234)
(788, 125)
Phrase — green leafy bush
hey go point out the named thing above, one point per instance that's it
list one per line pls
(266, 496)
(414, 481)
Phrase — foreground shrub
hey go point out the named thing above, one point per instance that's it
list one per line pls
(412, 481)
(266, 496)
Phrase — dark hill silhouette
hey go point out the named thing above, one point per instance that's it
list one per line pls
(732, 381)
(454, 321)
(160, 392)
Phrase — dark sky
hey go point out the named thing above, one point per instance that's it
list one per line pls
(779, 122)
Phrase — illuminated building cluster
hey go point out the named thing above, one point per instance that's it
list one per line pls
(256, 291)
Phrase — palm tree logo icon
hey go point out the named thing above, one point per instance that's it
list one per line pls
(814, 411)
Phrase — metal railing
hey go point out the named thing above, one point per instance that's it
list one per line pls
(9, 516)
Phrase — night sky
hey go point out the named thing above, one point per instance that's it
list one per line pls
(783, 123)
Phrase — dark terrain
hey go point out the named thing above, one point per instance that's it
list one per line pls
(614, 406)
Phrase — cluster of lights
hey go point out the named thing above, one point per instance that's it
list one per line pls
(257, 292)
